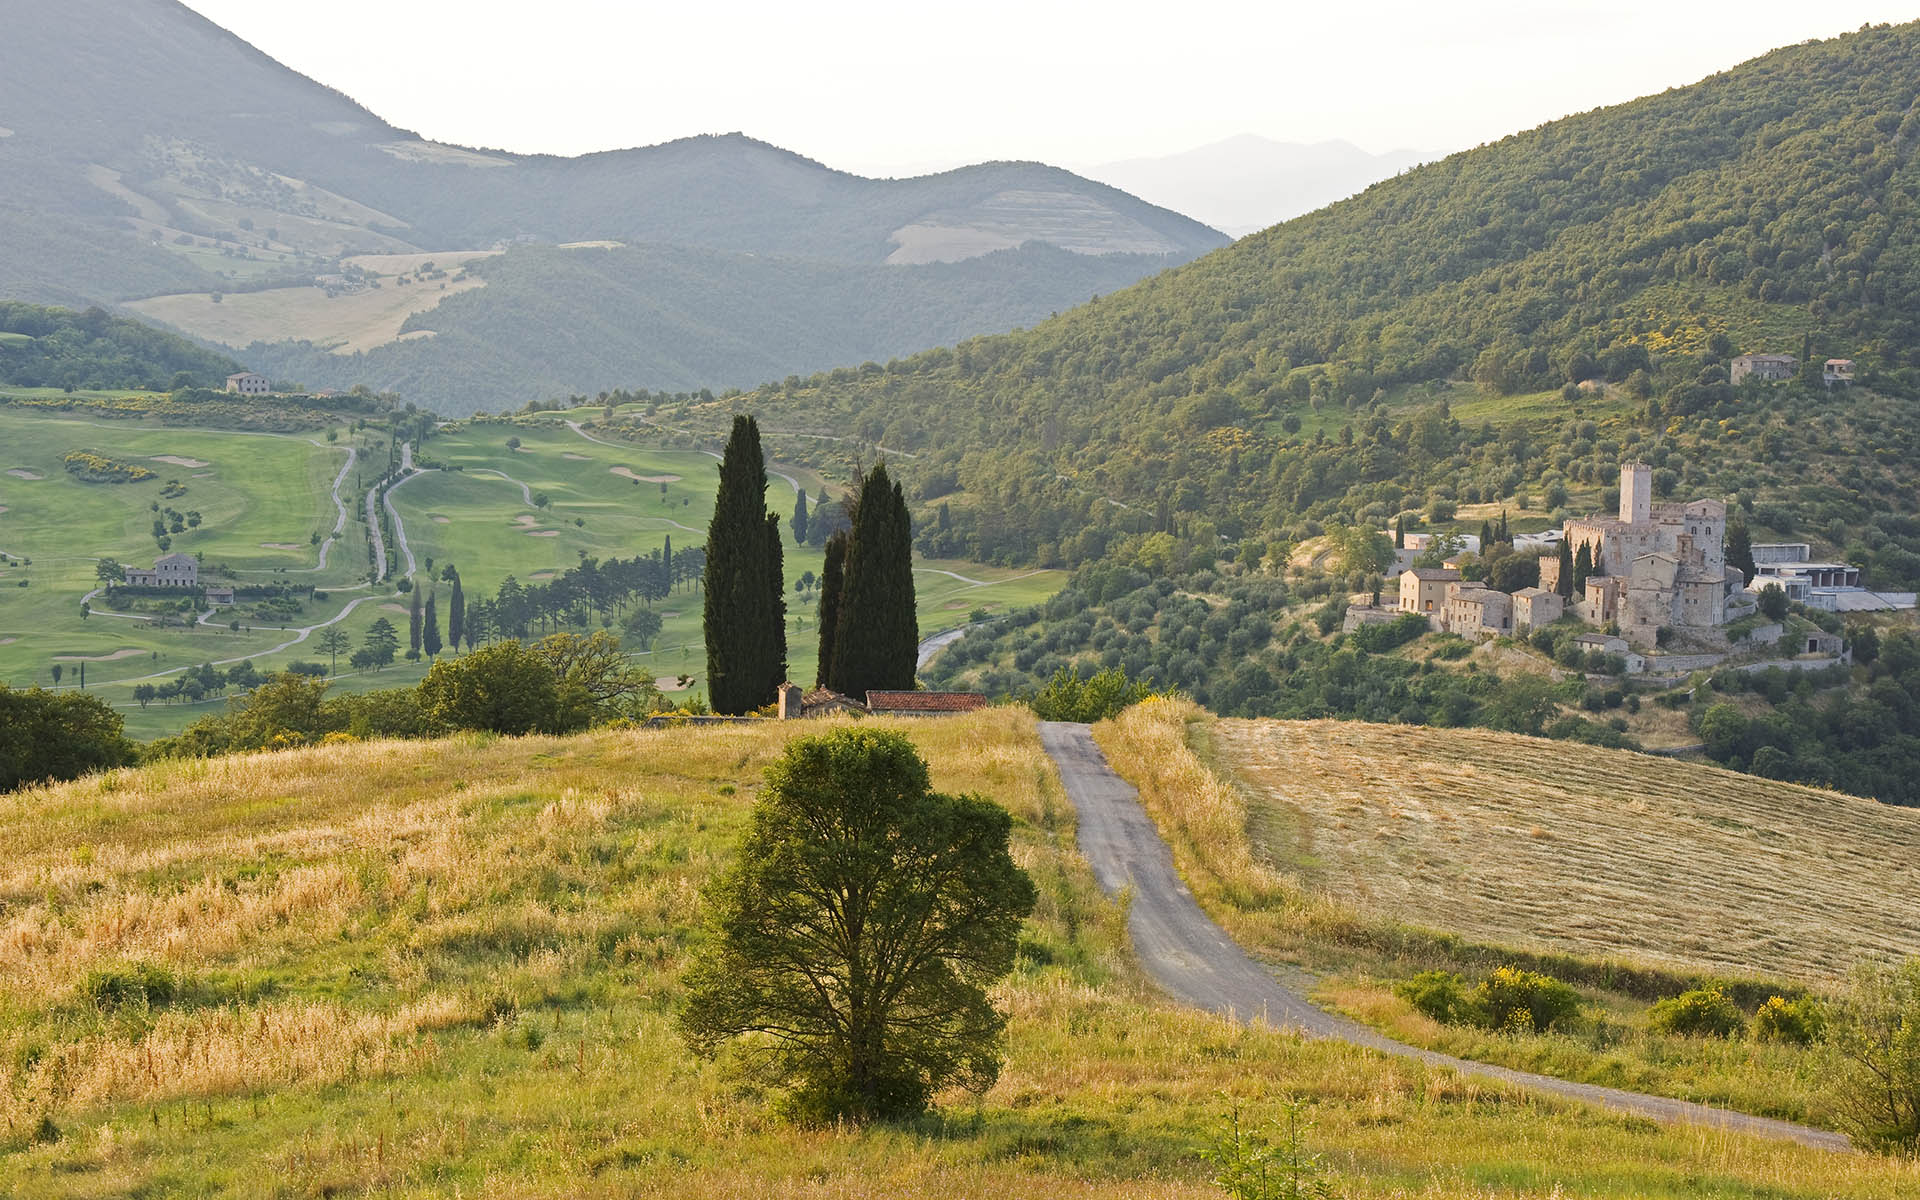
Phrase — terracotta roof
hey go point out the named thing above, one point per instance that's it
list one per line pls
(925, 702)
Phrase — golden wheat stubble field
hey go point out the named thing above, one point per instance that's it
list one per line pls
(1581, 850)
(450, 968)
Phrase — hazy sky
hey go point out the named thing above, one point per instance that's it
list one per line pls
(893, 88)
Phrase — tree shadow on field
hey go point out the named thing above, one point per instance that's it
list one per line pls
(1092, 1144)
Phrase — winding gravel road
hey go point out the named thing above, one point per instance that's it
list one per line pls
(1198, 964)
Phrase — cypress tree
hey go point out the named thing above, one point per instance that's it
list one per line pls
(456, 616)
(832, 578)
(1739, 553)
(413, 623)
(1582, 567)
(878, 637)
(1566, 572)
(745, 602)
(1505, 533)
(430, 628)
(1486, 536)
(666, 560)
(800, 516)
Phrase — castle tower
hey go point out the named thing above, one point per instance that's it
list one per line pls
(1636, 493)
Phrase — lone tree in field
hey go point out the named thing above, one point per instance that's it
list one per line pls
(331, 642)
(878, 637)
(746, 598)
(855, 936)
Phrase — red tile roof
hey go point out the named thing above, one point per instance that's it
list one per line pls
(925, 702)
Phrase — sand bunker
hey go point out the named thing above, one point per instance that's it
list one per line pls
(23, 473)
(281, 546)
(541, 575)
(541, 532)
(179, 461)
(442, 520)
(526, 520)
(3, 508)
(116, 656)
(399, 608)
(8, 641)
(625, 473)
(203, 475)
(576, 457)
(669, 683)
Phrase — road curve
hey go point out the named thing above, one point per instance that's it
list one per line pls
(1195, 961)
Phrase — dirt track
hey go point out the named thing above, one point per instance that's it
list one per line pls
(1198, 964)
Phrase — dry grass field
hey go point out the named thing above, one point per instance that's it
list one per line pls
(1576, 849)
(449, 969)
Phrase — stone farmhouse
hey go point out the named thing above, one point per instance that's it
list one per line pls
(1768, 368)
(173, 571)
(1654, 565)
(1453, 605)
(249, 384)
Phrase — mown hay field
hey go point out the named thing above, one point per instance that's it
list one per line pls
(1559, 847)
(450, 969)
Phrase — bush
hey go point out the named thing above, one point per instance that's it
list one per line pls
(1702, 1012)
(1438, 995)
(1066, 697)
(1792, 1022)
(1876, 1033)
(128, 985)
(503, 688)
(1522, 1001)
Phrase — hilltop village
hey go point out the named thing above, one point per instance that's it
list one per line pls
(1653, 580)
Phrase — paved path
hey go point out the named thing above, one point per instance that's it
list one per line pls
(407, 475)
(526, 492)
(1198, 964)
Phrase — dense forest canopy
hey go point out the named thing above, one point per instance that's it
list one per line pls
(57, 347)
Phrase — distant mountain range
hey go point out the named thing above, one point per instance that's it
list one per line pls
(1247, 183)
(145, 152)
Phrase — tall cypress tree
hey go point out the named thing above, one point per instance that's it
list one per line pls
(878, 637)
(413, 623)
(1582, 567)
(832, 579)
(745, 602)
(1566, 571)
(456, 616)
(430, 628)
(800, 516)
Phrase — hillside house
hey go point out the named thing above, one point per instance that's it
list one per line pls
(173, 571)
(1424, 590)
(220, 597)
(1767, 368)
(1837, 370)
(1475, 611)
(1536, 606)
(248, 384)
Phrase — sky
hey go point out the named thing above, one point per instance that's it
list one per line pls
(899, 88)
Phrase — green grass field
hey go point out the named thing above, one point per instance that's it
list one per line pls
(451, 969)
(262, 496)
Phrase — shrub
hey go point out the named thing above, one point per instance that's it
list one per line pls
(1793, 1022)
(1876, 1032)
(1439, 995)
(129, 985)
(1701, 1012)
(1066, 697)
(1523, 1001)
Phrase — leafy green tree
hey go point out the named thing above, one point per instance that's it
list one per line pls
(1773, 602)
(332, 641)
(643, 625)
(1359, 550)
(878, 638)
(597, 682)
(745, 603)
(1876, 1034)
(382, 642)
(1067, 697)
(505, 688)
(857, 932)
(832, 583)
(57, 735)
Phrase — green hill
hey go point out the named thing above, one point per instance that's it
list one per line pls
(55, 347)
(148, 152)
(1631, 249)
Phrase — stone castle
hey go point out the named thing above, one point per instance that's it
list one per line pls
(1654, 565)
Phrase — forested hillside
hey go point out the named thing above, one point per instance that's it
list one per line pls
(56, 347)
(1631, 250)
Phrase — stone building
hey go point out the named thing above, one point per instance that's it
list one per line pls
(1655, 564)
(1472, 610)
(1536, 606)
(1769, 368)
(249, 384)
(1424, 590)
(173, 571)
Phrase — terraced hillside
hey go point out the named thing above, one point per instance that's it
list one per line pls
(449, 968)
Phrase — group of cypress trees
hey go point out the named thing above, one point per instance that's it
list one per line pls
(746, 606)
(869, 631)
